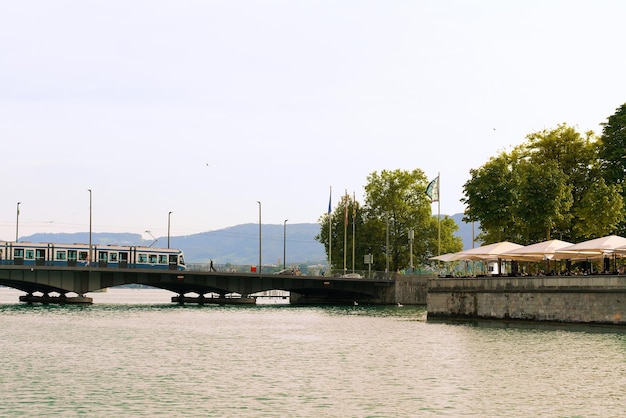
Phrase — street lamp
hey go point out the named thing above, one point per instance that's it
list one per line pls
(285, 244)
(89, 256)
(260, 241)
(411, 237)
(169, 215)
(17, 222)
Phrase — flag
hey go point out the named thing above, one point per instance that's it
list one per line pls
(329, 200)
(432, 190)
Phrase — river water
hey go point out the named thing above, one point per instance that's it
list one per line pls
(133, 353)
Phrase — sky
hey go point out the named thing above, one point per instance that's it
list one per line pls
(204, 108)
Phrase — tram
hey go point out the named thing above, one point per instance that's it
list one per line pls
(78, 255)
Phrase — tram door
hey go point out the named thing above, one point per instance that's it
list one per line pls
(103, 259)
(71, 258)
(18, 256)
(40, 256)
(173, 262)
(123, 260)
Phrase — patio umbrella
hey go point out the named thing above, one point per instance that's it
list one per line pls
(595, 248)
(446, 257)
(536, 252)
(488, 252)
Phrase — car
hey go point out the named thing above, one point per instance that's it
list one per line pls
(289, 272)
(352, 276)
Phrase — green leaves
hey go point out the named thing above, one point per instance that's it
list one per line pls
(550, 186)
(395, 203)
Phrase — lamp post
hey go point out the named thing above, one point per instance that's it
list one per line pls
(411, 236)
(169, 215)
(89, 255)
(285, 244)
(260, 241)
(387, 249)
(17, 222)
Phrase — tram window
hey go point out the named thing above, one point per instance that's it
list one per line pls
(61, 255)
(29, 255)
(82, 256)
(113, 257)
(162, 259)
(142, 258)
(18, 253)
(103, 256)
(71, 255)
(152, 258)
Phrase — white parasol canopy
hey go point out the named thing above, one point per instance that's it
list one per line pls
(595, 248)
(446, 257)
(488, 252)
(536, 252)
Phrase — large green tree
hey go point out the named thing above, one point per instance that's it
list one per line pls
(342, 232)
(612, 155)
(395, 203)
(612, 147)
(549, 187)
(489, 197)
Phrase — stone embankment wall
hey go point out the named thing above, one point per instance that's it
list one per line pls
(575, 299)
(411, 290)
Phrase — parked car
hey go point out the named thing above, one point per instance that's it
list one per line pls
(352, 276)
(293, 271)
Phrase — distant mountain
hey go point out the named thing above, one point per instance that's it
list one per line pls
(101, 238)
(240, 245)
(465, 231)
(237, 244)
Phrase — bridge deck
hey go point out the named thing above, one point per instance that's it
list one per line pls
(64, 280)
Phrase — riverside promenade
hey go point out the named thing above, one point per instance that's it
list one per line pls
(591, 299)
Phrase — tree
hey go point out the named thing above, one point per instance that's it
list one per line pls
(612, 147)
(490, 196)
(612, 155)
(395, 203)
(600, 211)
(550, 186)
(544, 201)
(344, 219)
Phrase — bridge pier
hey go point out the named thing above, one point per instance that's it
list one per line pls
(201, 300)
(61, 299)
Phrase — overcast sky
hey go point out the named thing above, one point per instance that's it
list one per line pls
(202, 108)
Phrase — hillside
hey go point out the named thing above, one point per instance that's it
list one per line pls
(237, 244)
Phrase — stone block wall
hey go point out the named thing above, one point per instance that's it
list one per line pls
(585, 299)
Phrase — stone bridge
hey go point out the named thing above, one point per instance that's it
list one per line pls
(70, 284)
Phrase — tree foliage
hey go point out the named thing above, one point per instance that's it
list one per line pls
(549, 187)
(612, 154)
(395, 203)
(612, 147)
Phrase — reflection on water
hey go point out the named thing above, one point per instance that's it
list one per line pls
(133, 353)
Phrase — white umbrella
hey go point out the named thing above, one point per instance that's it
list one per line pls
(488, 252)
(595, 248)
(536, 252)
(446, 257)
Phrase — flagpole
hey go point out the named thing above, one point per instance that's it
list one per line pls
(330, 234)
(438, 215)
(345, 232)
(353, 226)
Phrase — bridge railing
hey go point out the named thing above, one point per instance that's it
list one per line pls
(314, 271)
